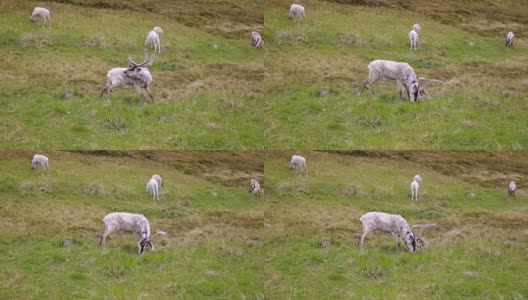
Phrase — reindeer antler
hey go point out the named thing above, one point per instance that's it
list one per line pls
(429, 81)
(418, 236)
(133, 64)
(426, 83)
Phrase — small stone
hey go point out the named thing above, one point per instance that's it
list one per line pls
(211, 273)
(67, 243)
(324, 93)
(68, 96)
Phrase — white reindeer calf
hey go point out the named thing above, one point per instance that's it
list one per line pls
(154, 40)
(511, 188)
(41, 160)
(256, 39)
(414, 37)
(297, 162)
(153, 188)
(297, 10)
(254, 187)
(42, 13)
(415, 186)
(509, 39)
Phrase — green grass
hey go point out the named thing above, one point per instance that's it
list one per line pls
(478, 251)
(212, 249)
(481, 106)
(207, 97)
(225, 243)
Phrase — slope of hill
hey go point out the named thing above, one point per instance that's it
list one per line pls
(478, 250)
(207, 80)
(213, 246)
(481, 106)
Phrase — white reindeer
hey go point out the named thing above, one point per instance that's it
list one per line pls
(297, 10)
(414, 37)
(511, 188)
(42, 13)
(136, 75)
(297, 162)
(415, 186)
(256, 39)
(154, 40)
(41, 160)
(254, 187)
(400, 72)
(396, 226)
(130, 223)
(509, 39)
(153, 188)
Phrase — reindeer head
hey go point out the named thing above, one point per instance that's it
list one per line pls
(413, 89)
(144, 243)
(410, 241)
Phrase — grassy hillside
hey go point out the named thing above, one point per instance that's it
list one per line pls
(478, 251)
(481, 106)
(207, 80)
(214, 241)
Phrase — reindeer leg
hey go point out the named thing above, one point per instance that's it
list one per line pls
(103, 239)
(147, 89)
(362, 239)
(363, 87)
(138, 89)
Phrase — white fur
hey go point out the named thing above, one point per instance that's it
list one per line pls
(401, 72)
(256, 39)
(254, 187)
(415, 186)
(153, 188)
(158, 179)
(418, 29)
(132, 223)
(136, 75)
(509, 39)
(393, 224)
(41, 160)
(296, 10)
(511, 188)
(414, 37)
(43, 13)
(159, 31)
(418, 178)
(154, 40)
(298, 162)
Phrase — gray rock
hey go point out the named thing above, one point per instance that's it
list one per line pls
(68, 96)
(324, 93)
